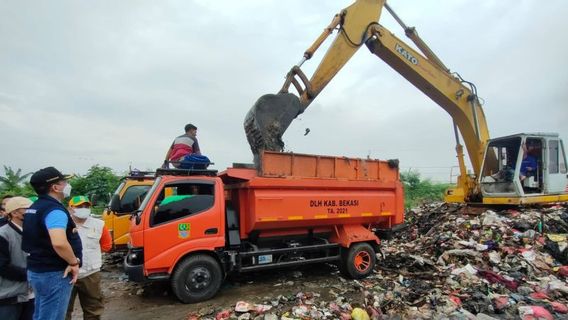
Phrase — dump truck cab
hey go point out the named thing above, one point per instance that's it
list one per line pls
(125, 200)
(180, 215)
(524, 168)
(196, 226)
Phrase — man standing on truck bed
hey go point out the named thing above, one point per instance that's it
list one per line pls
(184, 152)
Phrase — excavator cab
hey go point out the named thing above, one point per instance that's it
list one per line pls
(523, 168)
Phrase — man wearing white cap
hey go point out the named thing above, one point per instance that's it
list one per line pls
(16, 297)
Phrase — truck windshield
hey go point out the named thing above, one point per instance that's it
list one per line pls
(152, 190)
(133, 197)
(117, 191)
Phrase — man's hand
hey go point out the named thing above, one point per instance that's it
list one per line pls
(74, 270)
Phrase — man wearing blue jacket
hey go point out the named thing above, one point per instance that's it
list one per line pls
(51, 239)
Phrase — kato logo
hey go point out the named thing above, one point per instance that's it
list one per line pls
(407, 55)
(184, 230)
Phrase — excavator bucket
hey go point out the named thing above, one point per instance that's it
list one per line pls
(267, 121)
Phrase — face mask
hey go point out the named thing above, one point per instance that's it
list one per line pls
(66, 191)
(82, 213)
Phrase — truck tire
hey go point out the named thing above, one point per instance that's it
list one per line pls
(196, 278)
(358, 261)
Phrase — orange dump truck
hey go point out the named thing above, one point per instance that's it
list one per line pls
(196, 226)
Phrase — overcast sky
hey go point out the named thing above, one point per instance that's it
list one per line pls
(113, 82)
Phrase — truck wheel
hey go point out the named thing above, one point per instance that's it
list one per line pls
(358, 261)
(197, 278)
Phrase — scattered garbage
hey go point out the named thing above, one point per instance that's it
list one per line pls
(242, 306)
(534, 313)
(449, 262)
(359, 314)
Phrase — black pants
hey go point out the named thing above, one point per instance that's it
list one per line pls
(17, 311)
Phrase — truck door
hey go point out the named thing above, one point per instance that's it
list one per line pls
(185, 216)
(556, 163)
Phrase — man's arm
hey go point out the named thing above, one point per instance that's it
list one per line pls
(61, 245)
(195, 146)
(534, 163)
(168, 154)
(106, 240)
(528, 165)
(7, 269)
(56, 223)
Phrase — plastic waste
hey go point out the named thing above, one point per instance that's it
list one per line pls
(359, 314)
(534, 313)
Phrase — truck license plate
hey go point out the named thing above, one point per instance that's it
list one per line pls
(265, 259)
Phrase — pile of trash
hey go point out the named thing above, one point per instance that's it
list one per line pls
(449, 262)
(472, 263)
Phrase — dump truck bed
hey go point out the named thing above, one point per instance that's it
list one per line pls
(291, 193)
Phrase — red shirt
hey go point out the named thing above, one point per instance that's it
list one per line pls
(182, 146)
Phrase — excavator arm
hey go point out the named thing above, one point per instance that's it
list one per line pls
(358, 25)
(447, 90)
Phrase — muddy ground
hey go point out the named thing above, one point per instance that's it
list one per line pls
(127, 300)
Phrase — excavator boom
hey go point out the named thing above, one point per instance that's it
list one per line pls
(358, 25)
(271, 115)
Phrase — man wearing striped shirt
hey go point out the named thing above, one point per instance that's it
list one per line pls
(184, 149)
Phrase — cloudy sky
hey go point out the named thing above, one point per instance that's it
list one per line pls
(113, 82)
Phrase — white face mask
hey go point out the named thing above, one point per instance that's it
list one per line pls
(66, 191)
(82, 213)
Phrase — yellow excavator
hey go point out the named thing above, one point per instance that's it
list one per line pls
(525, 168)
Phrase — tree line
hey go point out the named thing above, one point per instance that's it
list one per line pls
(100, 182)
(418, 190)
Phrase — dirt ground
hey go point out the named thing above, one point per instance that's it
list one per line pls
(127, 300)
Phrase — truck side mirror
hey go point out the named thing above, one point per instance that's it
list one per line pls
(138, 202)
(115, 204)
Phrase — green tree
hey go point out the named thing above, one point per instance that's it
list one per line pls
(15, 182)
(417, 190)
(99, 183)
